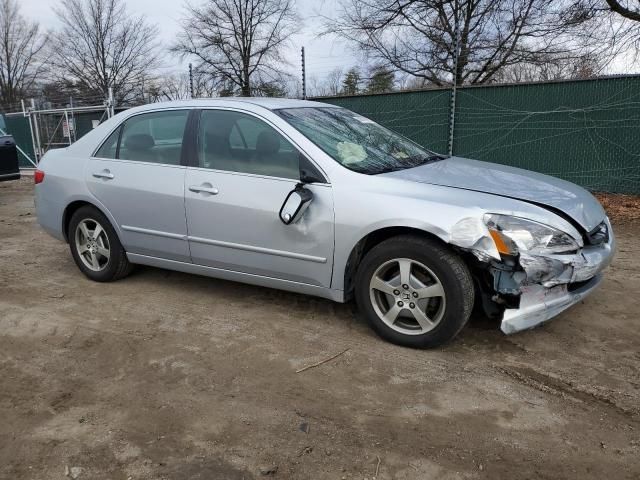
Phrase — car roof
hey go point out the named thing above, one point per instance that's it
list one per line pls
(269, 103)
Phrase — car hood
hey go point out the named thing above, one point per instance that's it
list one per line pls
(532, 187)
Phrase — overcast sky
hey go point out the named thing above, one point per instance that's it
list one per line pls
(322, 54)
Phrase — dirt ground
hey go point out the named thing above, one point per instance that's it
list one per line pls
(170, 376)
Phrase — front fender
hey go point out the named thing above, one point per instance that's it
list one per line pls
(366, 205)
(345, 247)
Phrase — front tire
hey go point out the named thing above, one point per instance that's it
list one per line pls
(414, 291)
(95, 247)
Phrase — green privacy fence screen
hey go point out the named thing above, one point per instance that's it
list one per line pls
(18, 126)
(51, 130)
(585, 131)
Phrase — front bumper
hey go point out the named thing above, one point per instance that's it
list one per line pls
(557, 282)
(539, 304)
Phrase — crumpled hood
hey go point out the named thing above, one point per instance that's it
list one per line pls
(493, 178)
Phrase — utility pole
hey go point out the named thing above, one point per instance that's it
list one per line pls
(452, 106)
(190, 81)
(304, 81)
(110, 110)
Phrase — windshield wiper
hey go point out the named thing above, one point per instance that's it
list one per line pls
(391, 169)
(431, 158)
(416, 162)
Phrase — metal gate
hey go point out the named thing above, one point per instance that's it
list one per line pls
(60, 127)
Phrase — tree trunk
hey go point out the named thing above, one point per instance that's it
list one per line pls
(246, 85)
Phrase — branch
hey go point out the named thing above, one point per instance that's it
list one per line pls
(618, 8)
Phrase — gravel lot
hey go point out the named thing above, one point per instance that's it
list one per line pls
(170, 376)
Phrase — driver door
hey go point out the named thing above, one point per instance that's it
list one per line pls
(245, 170)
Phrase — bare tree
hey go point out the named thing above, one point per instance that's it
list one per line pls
(21, 45)
(629, 9)
(239, 42)
(170, 87)
(103, 46)
(419, 37)
(316, 87)
(177, 87)
(334, 82)
(586, 66)
(614, 24)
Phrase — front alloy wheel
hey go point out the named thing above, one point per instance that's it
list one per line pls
(407, 296)
(414, 291)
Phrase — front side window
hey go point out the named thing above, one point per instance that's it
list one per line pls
(356, 142)
(154, 137)
(238, 142)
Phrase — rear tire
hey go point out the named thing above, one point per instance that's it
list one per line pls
(414, 291)
(95, 247)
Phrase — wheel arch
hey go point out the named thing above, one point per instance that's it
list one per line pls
(373, 238)
(74, 206)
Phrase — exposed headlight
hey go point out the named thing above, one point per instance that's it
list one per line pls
(514, 234)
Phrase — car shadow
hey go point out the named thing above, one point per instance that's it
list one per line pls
(478, 332)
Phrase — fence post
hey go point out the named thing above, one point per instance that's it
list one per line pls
(38, 152)
(190, 81)
(33, 138)
(304, 76)
(73, 120)
(110, 111)
(452, 106)
(66, 119)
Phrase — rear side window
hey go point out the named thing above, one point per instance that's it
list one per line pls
(109, 148)
(153, 137)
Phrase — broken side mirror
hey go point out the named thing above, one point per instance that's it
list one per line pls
(295, 204)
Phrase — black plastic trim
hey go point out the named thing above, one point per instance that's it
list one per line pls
(189, 155)
(120, 129)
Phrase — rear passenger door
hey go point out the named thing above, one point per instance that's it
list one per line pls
(138, 175)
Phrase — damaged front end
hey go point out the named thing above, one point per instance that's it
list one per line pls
(528, 272)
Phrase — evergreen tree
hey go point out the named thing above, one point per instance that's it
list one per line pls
(351, 82)
(380, 80)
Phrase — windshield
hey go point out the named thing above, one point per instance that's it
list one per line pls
(355, 141)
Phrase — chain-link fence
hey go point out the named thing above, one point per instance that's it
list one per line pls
(585, 131)
(55, 130)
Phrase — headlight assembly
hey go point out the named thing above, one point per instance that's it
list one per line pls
(514, 234)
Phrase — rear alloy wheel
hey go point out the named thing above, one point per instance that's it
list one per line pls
(92, 244)
(414, 291)
(95, 247)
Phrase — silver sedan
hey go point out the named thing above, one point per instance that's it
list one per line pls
(316, 199)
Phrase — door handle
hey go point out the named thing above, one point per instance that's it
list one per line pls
(104, 174)
(203, 189)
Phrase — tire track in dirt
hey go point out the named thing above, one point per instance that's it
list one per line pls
(567, 389)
